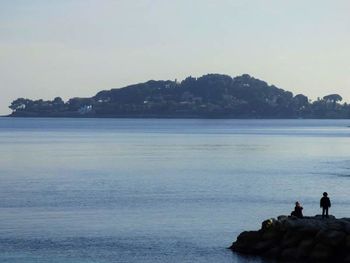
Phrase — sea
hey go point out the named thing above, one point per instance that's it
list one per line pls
(159, 190)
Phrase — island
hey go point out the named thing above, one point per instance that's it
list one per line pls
(292, 239)
(209, 96)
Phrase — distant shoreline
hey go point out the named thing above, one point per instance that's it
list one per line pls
(165, 117)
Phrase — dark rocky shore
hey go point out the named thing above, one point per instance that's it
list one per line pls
(290, 239)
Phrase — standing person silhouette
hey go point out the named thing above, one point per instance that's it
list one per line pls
(325, 203)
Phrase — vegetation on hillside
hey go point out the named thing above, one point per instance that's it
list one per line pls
(209, 96)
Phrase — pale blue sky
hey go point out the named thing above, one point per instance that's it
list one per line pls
(70, 48)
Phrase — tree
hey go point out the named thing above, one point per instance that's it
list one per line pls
(19, 104)
(301, 100)
(58, 100)
(333, 98)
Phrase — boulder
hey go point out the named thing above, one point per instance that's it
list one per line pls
(249, 236)
(347, 228)
(246, 242)
(336, 225)
(267, 223)
(262, 247)
(289, 254)
(330, 217)
(305, 247)
(310, 239)
(309, 231)
(330, 237)
(272, 234)
(321, 253)
(273, 252)
(282, 218)
(347, 242)
(291, 239)
(296, 223)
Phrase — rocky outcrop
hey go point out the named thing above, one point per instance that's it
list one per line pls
(291, 239)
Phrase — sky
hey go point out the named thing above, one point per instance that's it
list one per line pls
(75, 48)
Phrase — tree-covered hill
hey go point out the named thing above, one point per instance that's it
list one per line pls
(209, 96)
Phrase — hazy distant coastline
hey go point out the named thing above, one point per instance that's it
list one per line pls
(210, 96)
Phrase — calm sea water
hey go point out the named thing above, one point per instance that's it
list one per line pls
(134, 190)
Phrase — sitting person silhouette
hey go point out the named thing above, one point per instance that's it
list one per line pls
(298, 210)
(325, 203)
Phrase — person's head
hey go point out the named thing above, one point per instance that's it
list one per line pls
(325, 194)
(297, 203)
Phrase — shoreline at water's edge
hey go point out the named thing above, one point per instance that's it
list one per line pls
(162, 117)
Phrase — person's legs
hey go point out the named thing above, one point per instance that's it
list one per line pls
(327, 212)
(323, 211)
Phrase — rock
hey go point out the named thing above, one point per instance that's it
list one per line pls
(329, 217)
(321, 253)
(282, 218)
(249, 236)
(297, 240)
(267, 223)
(347, 242)
(291, 239)
(274, 252)
(336, 225)
(289, 254)
(246, 241)
(332, 238)
(272, 234)
(304, 248)
(347, 228)
(295, 223)
(309, 231)
(263, 246)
